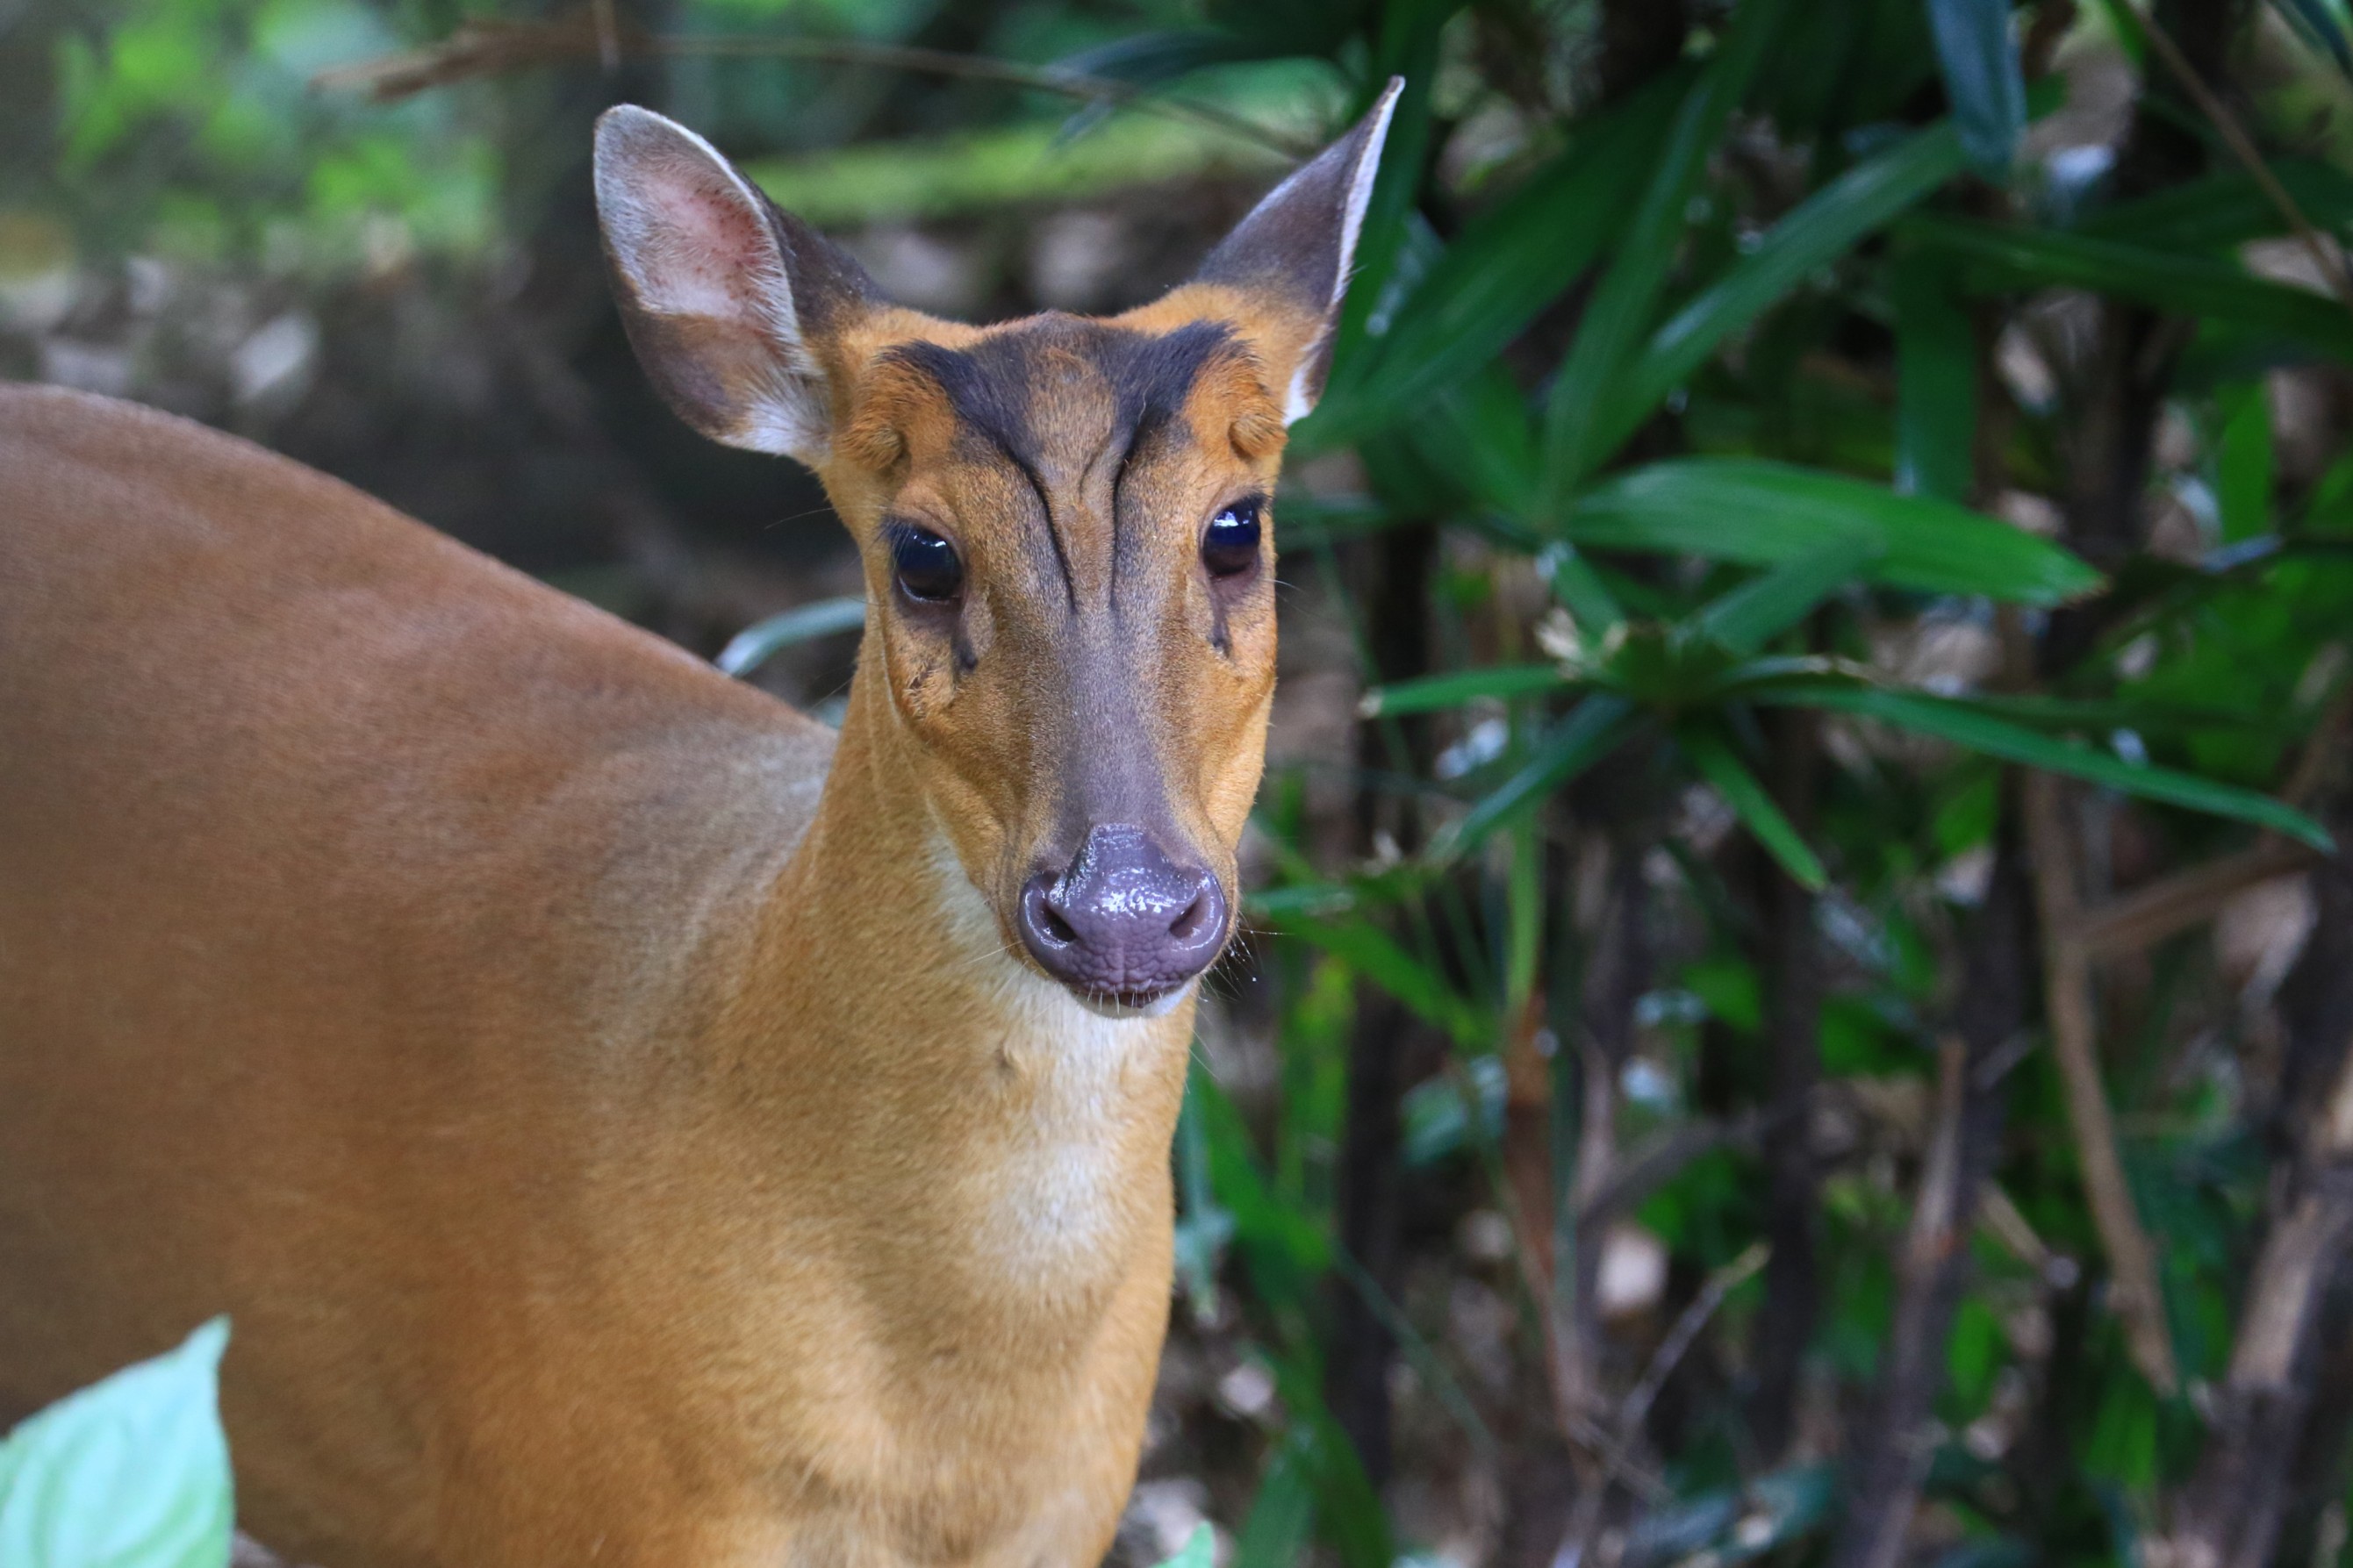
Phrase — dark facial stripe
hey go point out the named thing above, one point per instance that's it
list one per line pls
(1148, 378)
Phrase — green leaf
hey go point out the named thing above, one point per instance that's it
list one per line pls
(1199, 1550)
(1936, 381)
(2219, 211)
(1738, 508)
(1819, 230)
(1505, 266)
(1996, 259)
(978, 169)
(1967, 726)
(1582, 738)
(1730, 777)
(1372, 953)
(1285, 1250)
(1452, 689)
(1283, 1516)
(130, 1472)
(761, 641)
(2243, 461)
(1762, 608)
(2318, 24)
(1579, 589)
(1623, 302)
(1979, 55)
(1477, 433)
(1405, 44)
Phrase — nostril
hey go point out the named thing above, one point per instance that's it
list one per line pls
(1202, 925)
(1040, 922)
(1195, 920)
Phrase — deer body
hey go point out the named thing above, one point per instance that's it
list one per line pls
(625, 1123)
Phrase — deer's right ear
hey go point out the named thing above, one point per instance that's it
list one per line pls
(728, 300)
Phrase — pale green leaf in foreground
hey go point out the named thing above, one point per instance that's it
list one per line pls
(130, 1472)
(761, 641)
(1199, 1551)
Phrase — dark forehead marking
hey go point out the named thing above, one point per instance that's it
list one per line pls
(1147, 375)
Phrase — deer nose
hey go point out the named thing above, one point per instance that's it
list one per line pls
(1123, 923)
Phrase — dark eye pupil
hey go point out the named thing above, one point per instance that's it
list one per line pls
(926, 565)
(1231, 544)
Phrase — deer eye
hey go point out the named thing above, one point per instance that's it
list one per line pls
(927, 565)
(1230, 546)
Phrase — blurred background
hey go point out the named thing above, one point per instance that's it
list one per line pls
(1798, 988)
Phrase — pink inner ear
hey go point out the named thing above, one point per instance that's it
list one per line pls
(710, 253)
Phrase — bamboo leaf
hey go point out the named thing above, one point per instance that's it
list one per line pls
(1376, 955)
(1979, 56)
(1433, 692)
(2218, 211)
(1579, 589)
(1580, 739)
(1996, 259)
(1760, 609)
(1506, 265)
(2319, 25)
(1936, 381)
(1980, 731)
(1766, 513)
(1730, 777)
(1822, 228)
(1282, 1521)
(1623, 303)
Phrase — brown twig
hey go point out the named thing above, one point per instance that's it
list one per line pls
(2231, 1513)
(1659, 1159)
(608, 34)
(2243, 147)
(481, 48)
(2148, 915)
(1625, 1435)
(1889, 1449)
(2067, 1000)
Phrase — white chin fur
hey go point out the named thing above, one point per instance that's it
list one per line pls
(1158, 1008)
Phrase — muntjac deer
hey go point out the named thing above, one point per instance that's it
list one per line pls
(625, 1123)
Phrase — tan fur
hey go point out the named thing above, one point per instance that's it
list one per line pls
(619, 1118)
(602, 1161)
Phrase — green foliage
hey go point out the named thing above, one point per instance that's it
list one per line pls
(193, 128)
(130, 1472)
(1708, 382)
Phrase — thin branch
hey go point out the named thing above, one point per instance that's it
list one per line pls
(2263, 1415)
(1888, 1450)
(1663, 1156)
(2149, 914)
(2067, 1000)
(1672, 1350)
(608, 34)
(1625, 1435)
(2243, 147)
(479, 48)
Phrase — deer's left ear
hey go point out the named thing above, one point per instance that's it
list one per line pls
(1292, 257)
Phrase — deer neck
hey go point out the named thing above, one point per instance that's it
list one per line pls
(987, 1118)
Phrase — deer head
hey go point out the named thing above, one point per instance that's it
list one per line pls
(1065, 523)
